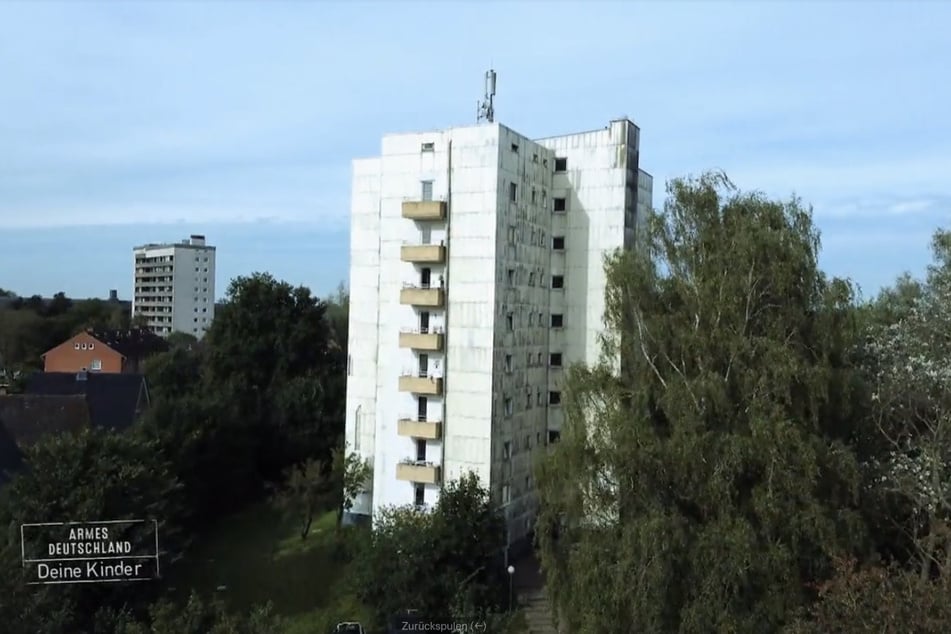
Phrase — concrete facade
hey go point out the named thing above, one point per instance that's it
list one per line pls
(174, 286)
(476, 276)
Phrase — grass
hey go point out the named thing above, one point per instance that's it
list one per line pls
(258, 556)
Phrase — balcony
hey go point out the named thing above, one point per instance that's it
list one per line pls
(419, 472)
(424, 209)
(423, 253)
(427, 386)
(424, 297)
(422, 429)
(427, 341)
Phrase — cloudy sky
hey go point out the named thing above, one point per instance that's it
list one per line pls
(124, 123)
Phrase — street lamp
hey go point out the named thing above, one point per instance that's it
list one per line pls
(511, 571)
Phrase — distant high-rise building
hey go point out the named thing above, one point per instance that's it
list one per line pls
(476, 277)
(175, 286)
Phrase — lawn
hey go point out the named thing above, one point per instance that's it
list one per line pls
(257, 556)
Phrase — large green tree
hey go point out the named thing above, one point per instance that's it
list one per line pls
(443, 562)
(704, 474)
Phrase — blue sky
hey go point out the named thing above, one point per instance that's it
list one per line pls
(125, 123)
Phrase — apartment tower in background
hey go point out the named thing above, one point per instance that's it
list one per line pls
(476, 276)
(174, 286)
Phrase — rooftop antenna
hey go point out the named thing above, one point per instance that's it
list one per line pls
(486, 110)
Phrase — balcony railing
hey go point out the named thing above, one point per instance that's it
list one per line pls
(419, 427)
(423, 295)
(423, 253)
(424, 209)
(418, 471)
(430, 339)
(426, 385)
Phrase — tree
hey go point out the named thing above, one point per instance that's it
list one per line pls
(352, 474)
(435, 561)
(89, 476)
(268, 351)
(195, 617)
(908, 368)
(300, 497)
(705, 457)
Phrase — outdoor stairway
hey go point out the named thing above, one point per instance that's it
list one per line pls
(537, 612)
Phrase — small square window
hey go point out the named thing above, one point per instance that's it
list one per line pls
(561, 164)
(554, 398)
(557, 281)
(558, 243)
(96, 365)
(515, 147)
(559, 204)
(84, 346)
(428, 147)
(554, 359)
(557, 321)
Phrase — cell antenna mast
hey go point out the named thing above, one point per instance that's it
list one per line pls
(487, 106)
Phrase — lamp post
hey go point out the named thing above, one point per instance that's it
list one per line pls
(511, 571)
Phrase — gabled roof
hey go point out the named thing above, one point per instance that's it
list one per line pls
(112, 399)
(27, 417)
(136, 342)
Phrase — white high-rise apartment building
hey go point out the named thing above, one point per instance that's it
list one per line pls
(476, 276)
(174, 286)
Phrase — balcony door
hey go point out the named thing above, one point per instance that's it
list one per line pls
(421, 409)
(426, 235)
(424, 322)
(424, 365)
(425, 277)
(421, 450)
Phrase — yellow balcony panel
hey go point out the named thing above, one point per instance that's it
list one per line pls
(423, 253)
(421, 341)
(421, 385)
(424, 209)
(426, 297)
(427, 430)
(415, 472)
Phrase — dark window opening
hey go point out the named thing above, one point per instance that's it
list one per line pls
(554, 398)
(561, 164)
(513, 192)
(558, 243)
(515, 147)
(557, 281)
(420, 497)
(554, 359)
(557, 321)
(560, 204)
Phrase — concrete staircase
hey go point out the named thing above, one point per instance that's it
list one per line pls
(537, 611)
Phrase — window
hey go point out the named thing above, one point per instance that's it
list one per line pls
(421, 450)
(557, 281)
(530, 360)
(538, 398)
(428, 147)
(539, 358)
(557, 321)
(560, 204)
(528, 400)
(96, 365)
(419, 498)
(531, 319)
(508, 363)
(558, 243)
(513, 192)
(75, 346)
(92, 346)
(506, 494)
(531, 278)
(533, 194)
(528, 445)
(508, 407)
(506, 450)
(554, 359)
(561, 164)
(515, 147)
(510, 321)
(553, 436)
(554, 398)
(534, 158)
(427, 190)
